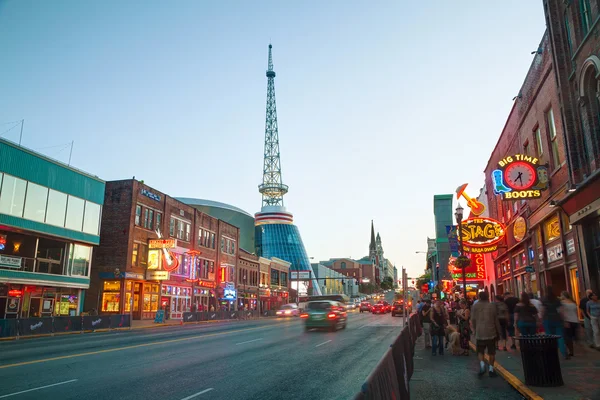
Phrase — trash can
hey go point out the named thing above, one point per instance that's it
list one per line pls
(541, 364)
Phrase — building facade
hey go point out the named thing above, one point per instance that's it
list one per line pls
(247, 280)
(539, 248)
(574, 38)
(159, 253)
(333, 282)
(443, 214)
(49, 226)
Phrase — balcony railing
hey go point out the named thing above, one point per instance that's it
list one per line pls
(30, 265)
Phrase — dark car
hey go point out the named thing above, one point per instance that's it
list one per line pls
(378, 308)
(365, 306)
(324, 314)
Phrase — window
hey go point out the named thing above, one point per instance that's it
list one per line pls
(212, 241)
(57, 208)
(586, 17)
(146, 215)
(172, 227)
(35, 202)
(553, 139)
(283, 279)
(222, 245)
(151, 220)
(187, 232)
(75, 207)
(200, 237)
(111, 296)
(343, 265)
(134, 254)
(12, 197)
(79, 260)
(568, 33)
(180, 229)
(91, 219)
(143, 254)
(138, 214)
(274, 277)
(158, 221)
(539, 146)
(526, 147)
(552, 228)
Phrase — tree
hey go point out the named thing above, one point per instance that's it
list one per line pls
(425, 278)
(367, 288)
(387, 283)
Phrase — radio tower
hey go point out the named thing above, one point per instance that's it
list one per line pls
(275, 232)
(272, 187)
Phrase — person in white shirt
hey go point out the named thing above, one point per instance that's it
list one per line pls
(537, 304)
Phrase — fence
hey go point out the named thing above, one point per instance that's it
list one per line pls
(51, 325)
(390, 378)
(219, 315)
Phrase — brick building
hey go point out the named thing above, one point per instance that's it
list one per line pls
(539, 247)
(247, 279)
(574, 33)
(137, 272)
(348, 267)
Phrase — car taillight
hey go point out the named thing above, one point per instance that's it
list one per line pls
(303, 315)
(331, 315)
(288, 312)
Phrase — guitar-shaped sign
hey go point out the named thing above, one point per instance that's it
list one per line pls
(477, 208)
(171, 262)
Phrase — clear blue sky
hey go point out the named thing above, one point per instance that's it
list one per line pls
(381, 104)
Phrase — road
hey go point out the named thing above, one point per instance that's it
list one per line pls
(264, 359)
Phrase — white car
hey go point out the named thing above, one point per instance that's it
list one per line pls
(288, 310)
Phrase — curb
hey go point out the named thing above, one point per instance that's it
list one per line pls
(163, 325)
(511, 379)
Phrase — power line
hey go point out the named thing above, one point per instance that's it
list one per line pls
(10, 122)
(10, 129)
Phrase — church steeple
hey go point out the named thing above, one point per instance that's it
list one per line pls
(372, 245)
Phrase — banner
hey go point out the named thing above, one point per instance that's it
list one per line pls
(452, 232)
(35, 326)
(475, 271)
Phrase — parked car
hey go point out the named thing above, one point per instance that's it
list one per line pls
(288, 310)
(365, 306)
(324, 314)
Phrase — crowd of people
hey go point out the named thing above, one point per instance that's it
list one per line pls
(495, 324)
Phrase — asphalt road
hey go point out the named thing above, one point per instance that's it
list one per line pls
(265, 359)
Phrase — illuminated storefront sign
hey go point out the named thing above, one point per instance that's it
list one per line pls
(200, 282)
(477, 208)
(153, 259)
(519, 229)
(157, 275)
(15, 293)
(520, 177)
(162, 243)
(481, 235)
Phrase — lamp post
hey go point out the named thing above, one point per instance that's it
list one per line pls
(458, 214)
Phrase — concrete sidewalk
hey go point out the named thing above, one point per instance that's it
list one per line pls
(580, 374)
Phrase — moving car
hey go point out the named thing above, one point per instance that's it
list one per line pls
(365, 306)
(398, 308)
(324, 314)
(386, 306)
(288, 310)
(378, 308)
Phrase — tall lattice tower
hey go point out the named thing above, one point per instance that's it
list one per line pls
(272, 187)
(275, 232)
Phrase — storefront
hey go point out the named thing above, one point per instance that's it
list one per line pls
(129, 294)
(24, 301)
(176, 300)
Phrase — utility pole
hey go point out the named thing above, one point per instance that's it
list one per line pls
(21, 134)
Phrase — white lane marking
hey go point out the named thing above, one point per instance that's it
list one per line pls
(198, 394)
(248, 341)
(323, 343)
(38, 388)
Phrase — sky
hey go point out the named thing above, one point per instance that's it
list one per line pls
(380, 105)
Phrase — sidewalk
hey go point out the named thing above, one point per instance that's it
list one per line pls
(581, 375)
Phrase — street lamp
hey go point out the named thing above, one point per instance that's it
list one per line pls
(458, 214)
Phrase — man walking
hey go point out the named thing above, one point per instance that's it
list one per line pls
(426, 318)
(485, 324)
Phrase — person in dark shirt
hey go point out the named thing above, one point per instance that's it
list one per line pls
(526, 316)
(587, 324)
(553, 322)
(511, 302)
(426, 318)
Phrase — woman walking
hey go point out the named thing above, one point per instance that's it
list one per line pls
(502, 310)
(439, 320)
(568, 310)
(526, 316)
(463, 315)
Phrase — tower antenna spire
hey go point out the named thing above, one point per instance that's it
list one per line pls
(272, 187)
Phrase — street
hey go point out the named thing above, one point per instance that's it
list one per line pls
(265, 359)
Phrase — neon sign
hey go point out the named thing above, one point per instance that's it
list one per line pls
(162, 243)
(481, 235)
(15, 293)
(475, 271)
(520, 177)
(477, 208)
(519, 229)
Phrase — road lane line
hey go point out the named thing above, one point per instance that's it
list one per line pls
(38, 388)
(131, 347)
(323, 343)
(248, 341)
(198, 394)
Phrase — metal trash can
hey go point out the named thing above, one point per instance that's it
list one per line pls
(541, 364)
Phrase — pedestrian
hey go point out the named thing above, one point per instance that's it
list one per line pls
(511, 302)
(593, 309)
(536, 303)
(485, 324)
(502, 311)
(568, 310)
(526, 316)
(463, 315)
(553, 322)
(439, 320)
(426, 315)
(587, 324)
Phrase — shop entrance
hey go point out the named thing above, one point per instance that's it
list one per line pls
(137, 311)
(557, 280)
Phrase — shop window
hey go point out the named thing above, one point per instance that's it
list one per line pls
(35, 202)
(111, 296)
(134, 254)
(12, 197)
(57, 208)
(143, 254)
(91, 219)
(138, 214)
(552, 228)
(50, 256)
(172, 227)
(75, 207)
(79, 260)
(283, 279)
(274, 277)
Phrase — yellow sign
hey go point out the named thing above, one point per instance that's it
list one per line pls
(157, 275)
(519, 229)
(481, 235)
(153, 259)
(162, 243)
